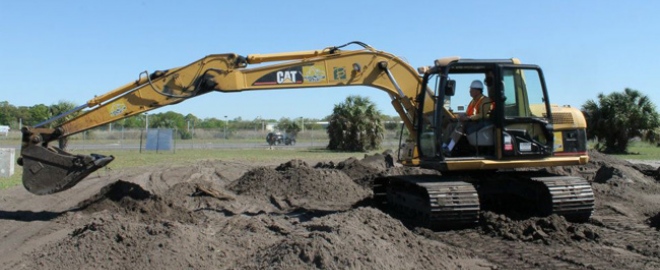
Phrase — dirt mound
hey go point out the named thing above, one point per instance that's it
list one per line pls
(602, 167)
(353, 167)
(132, 200)
(295, 163)
(549, 229)
(648, 170)
(588, 171)
(199, 196)
(224, 215)
(361, 238)
(606, 173)
(363, 171)
(625, 189)
(115, 242)
(598, 158)
(300, 186)
(364, 238)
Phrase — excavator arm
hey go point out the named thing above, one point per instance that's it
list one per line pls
(50, 170)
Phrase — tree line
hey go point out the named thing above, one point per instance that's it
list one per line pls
(357, 125)
(16, 116)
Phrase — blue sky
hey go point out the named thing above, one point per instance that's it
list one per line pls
(74, 50)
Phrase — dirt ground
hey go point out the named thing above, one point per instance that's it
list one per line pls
(297, 215)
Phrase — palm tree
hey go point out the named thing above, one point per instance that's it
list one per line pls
(355, 125)
(616, 118)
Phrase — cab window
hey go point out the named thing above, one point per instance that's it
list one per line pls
(523, 90)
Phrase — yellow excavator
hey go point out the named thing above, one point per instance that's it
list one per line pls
(483, 169)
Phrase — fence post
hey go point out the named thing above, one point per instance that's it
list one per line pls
(141, 140)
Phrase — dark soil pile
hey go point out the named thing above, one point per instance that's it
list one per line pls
(588, 171)
(364, 171)
(546, 230)
(226, 215)
(131, 200)
(361, 171)
(300, 186)
(116, 242)
(202, 222)
(364, 238)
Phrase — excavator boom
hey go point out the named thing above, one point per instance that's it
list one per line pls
(49, 169)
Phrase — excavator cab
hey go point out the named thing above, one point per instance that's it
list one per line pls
(477, 159)
(517, 122)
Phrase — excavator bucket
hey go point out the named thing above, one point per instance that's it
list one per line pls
(51, 170)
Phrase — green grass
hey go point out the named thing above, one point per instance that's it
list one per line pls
(13, 180)
(641, 151)
(130, 159)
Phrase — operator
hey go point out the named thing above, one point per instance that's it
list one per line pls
(479, 106)
(475, 116)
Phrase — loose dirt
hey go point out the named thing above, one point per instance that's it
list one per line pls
(227, 215)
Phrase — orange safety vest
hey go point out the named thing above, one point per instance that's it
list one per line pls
(475, 107)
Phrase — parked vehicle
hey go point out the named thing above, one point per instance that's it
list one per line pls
(274, 138)
(289, 140)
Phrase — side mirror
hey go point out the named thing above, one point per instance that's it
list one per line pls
(450, 89)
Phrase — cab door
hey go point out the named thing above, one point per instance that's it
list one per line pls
(523, 109)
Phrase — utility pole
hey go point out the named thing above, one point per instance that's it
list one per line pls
(302, 123)
(121, 140)
(256, 123)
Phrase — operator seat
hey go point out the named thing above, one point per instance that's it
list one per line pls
(482, 137)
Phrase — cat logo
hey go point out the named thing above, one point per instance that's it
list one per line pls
(287, 76)
(291, 75)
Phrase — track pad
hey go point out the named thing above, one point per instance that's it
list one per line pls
(51, 170)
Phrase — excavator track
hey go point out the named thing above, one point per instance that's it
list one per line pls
(571, 196)
(441, 202)
(536, 194)
(428, 201)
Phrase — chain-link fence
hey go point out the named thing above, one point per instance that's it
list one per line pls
(135, 139)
